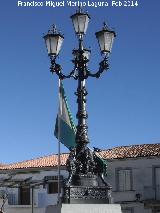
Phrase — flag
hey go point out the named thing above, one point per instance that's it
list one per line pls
(65, 129)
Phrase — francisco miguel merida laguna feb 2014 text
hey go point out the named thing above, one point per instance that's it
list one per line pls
(69, 3)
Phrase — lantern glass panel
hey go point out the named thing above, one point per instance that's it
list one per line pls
(100, 37)
(75, 23)
(108, 41)
(59, 44)
(53, 44)
(48, 44)
(83, 21)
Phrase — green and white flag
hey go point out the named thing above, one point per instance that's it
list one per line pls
(65, 129)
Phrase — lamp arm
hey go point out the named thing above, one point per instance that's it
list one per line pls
(103, 65)
(58, 70)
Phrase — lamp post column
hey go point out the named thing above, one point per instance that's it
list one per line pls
(82, 128)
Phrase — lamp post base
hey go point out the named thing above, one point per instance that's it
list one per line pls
(84, 189)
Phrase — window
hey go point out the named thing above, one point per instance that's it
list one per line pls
(53, 187)
(124, 179)
(12, 199)
(24, 195)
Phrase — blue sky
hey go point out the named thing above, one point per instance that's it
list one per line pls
(123, 105)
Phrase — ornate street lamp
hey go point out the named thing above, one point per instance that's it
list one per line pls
(80, 22)
(105, 39)
(84, 168)
(53, 41)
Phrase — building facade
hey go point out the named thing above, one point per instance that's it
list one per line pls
(133, 172)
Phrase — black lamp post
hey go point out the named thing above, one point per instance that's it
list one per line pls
(84, 169)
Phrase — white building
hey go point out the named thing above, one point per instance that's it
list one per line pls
(133, 172)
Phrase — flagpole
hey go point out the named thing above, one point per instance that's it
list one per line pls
(59, 148)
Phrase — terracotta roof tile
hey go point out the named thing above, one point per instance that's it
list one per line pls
(132, 151)
(1, 165)
(47, 161)
(114, 153)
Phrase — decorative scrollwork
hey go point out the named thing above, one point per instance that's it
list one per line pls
(87, 193)
(103, 65)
